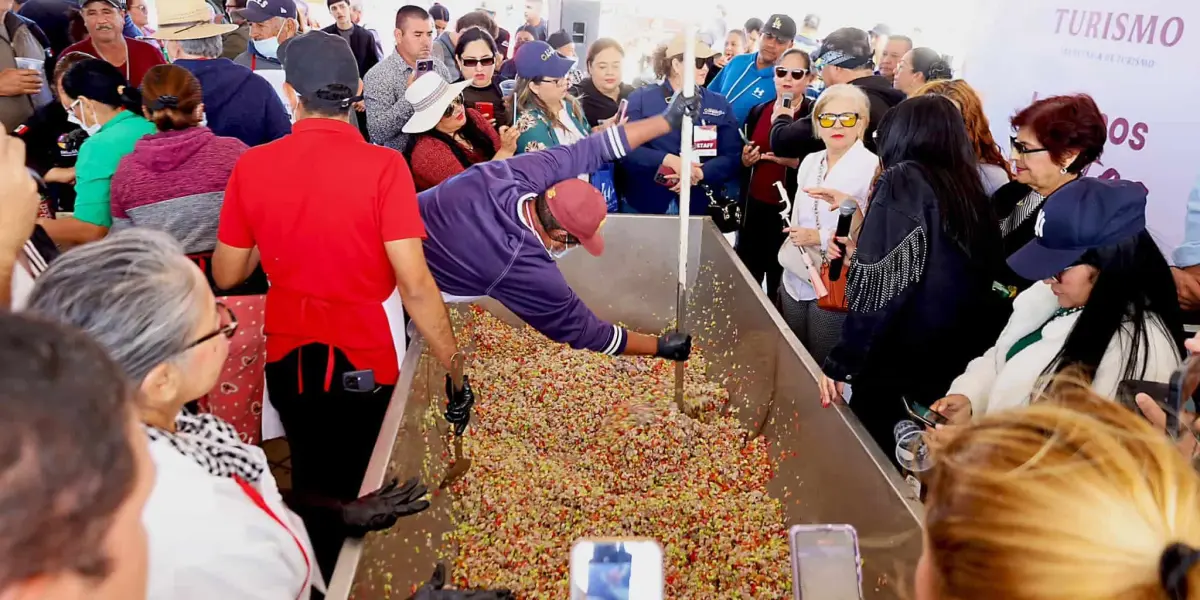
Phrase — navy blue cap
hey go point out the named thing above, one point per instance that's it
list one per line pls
(258, 11)
(1083, 215)
(537, 59)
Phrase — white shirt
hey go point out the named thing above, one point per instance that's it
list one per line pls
(851, 175)
(209, 540)
(993, 177)
(568, 133)
(994, 383)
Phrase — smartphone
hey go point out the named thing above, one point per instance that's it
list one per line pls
(487, 109)
(621, 108)
(424, 66)
(745, 138)
(924, 414)
(627, 568)
(826, 564)
(663, 173)
(1128, 390)
(1180, 390)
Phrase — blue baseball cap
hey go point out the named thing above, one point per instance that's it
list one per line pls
(260, 11)
(1083, 215)
(537, 59)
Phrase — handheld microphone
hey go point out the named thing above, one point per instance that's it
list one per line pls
(845, 216)
(787, 100)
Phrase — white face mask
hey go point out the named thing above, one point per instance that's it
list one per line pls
(561, 253)
(92, 129)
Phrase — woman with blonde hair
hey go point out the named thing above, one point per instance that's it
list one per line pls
(842, 171)
(993, 167)
(1074, 499)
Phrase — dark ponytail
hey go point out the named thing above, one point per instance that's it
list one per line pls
(932, 65)
(101, 82)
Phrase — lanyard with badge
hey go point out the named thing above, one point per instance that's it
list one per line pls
(704, 136)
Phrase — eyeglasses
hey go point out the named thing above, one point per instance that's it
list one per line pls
(455, 103)
(471, 63)
(1020, 147)
(567, 239)
(796, 74)
(846, 119)
(552, 81)
(228, 327)
(1057, 277)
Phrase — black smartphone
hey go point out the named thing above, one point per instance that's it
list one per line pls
(424, 66)
(924, 414)
(1128, 390)
(359, 381)
(1180, 390)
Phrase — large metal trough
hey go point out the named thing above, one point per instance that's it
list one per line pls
(828, 469)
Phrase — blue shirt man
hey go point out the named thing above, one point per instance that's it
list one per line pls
(749, 79)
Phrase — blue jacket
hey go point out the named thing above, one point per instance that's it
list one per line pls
(477, 244)
(744, 85)
(638, 169)
(238, 103)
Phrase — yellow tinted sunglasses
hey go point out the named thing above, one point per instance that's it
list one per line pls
(846, 119)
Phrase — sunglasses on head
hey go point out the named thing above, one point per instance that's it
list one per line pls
(455, 103)
(846, 119)
(1022, 148)
(797, 74)
(477, 62)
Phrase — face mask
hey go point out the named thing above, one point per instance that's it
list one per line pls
(561, 253)
(268, 47)
(90, 129)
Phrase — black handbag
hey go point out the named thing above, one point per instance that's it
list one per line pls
(726, 212)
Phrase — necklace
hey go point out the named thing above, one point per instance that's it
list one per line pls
(816, 212)
(1062, 312)
(125, 47)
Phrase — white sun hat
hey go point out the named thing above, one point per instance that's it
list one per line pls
(429, 96)
(187, 20)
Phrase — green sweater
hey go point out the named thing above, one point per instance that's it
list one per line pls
(98, 160)
(537, 132)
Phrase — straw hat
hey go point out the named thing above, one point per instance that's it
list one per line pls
(179, 20)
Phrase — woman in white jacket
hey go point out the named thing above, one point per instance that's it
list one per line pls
(216, 522)
(841, 172)
(1104, 306)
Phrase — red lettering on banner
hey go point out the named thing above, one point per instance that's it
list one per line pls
(1144, 29)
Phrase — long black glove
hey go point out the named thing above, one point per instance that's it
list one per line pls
(680, 106)
(380, 509)
(458, 405)
(433, 590)
(675, 346)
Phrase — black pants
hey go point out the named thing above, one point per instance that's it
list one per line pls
(759, 242)
(331, 434)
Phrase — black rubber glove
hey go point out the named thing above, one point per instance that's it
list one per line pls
(679, 107)
(432, 590)
(380, 509)
(458, 405)
(675, 346)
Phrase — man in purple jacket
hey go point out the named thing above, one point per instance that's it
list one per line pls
(496, 229)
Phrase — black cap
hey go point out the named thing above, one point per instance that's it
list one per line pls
(117, 4)
(322, 70)
(437, 12)
(781, 27)
(558, 39)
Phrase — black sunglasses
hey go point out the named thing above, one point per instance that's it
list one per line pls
(475, 62)
(227, 329)
(453, 104)
(796, 74)
(700, 62)
(1022, 148)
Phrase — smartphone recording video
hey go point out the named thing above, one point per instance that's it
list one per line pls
(616, 568)
(924, 414)
(826, 564)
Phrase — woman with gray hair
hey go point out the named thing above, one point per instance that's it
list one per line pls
(217, 524)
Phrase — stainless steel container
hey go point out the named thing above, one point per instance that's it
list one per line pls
(830, 470)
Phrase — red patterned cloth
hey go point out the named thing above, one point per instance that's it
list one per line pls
(433, 162)
(238, 396)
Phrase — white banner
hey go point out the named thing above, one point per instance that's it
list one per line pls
(1137, 58)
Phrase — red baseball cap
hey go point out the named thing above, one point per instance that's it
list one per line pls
(580, 209)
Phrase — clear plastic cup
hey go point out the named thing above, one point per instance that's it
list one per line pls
(912, 450)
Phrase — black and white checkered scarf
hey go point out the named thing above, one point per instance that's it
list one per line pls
(214, 445)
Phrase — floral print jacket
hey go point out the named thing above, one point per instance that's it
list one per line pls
(537, 129)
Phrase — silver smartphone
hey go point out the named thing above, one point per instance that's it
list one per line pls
(826, 564)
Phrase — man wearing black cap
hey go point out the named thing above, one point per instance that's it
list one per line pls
(561, 42)
(272, 22)
(844, 57)
(104, 20)
(749, 80)
(342, 248)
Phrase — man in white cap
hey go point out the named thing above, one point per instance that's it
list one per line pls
(236, 102)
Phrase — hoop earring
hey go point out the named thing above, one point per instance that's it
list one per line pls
(1064, 171)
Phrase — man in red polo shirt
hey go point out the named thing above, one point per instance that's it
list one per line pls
(104, 20)
(341, 248)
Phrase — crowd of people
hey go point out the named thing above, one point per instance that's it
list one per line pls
(154, 180)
